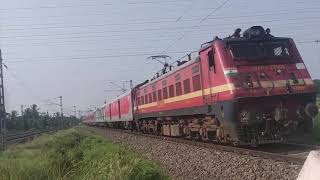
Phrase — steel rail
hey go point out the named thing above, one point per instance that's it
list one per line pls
(21, 136)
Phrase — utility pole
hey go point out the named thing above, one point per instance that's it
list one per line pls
(79, 113)
(22, 113)
(3, 127)
(61, 113)
(131, 84)
(22, 109)
(61, 107)
(75, 111)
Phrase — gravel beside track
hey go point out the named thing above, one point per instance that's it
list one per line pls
(184, 161)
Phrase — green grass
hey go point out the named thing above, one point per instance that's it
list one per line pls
(75, 154)
(316, 130)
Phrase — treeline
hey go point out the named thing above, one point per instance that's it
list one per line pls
(33, 119)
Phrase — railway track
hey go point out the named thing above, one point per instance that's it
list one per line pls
(286, 152)
(12, 138)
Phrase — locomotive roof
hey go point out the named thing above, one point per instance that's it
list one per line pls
(192, 61)
(243, 39)
(119, 97)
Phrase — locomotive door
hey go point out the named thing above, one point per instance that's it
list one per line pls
(208, 73)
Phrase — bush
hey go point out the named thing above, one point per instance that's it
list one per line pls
(75, 154)
(316, 130)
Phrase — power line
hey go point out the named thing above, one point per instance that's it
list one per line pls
(89, 57)
(92, 5)
(203, 19)
(133, 21)
(143, 29)
(41, 35)
(95, 41)
(101, 58)
(95, 4)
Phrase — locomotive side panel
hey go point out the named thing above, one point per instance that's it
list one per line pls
(178, 91)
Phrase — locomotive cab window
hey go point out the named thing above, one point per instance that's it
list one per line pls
(262, 51)
(211, 61)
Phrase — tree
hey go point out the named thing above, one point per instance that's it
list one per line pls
(12, 120)
(317, 83)
(33, 118)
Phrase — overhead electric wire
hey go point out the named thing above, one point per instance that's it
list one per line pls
(58, 34)
(89, 57)
(160, 20)
(92, 5)
(103, 25)
(202, 19)
(225, 24)
(95, 4)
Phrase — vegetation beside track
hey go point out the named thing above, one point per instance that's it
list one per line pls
(32, 118)
(75, 154)
(316, 130)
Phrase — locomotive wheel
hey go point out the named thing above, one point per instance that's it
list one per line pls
(220, 134)
(204, 136)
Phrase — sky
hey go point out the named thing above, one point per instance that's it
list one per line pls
(75, 48)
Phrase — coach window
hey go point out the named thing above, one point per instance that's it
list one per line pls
(196, 83)
(150, 98)
(211, 61)
(171, 91)
(165, 93)
(154, 96)
(146, 98)
(178, 89)
(186, 86)
(159, 95)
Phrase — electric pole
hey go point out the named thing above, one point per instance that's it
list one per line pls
(22, 109)
(61, 112)
(3, 127)
(61, 107)
(131, 84)
(75, 111)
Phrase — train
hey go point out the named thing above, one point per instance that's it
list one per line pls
(249, 88)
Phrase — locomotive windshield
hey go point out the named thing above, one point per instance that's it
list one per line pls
(261, 50)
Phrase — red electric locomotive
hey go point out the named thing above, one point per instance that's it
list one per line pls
(252, 88)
